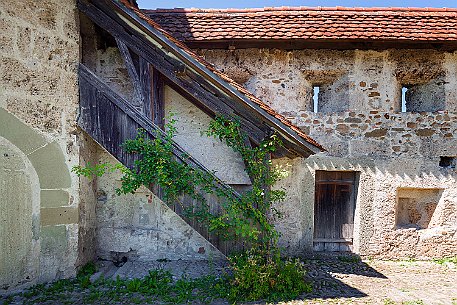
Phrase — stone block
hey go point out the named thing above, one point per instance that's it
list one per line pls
(25, 138)
(58, 216)
(49, 163)
(54, 198)
(54, 239)
(24, 41)
(27, 77)
(37, 113)
(38, 13)
(376, 133)
(6, 44)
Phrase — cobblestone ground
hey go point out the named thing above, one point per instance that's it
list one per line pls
(342, 280)
(336, 280)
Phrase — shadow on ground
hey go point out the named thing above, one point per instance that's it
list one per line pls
(324, 271)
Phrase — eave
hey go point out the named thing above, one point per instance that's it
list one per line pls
(260, 119)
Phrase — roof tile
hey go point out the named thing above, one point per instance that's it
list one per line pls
(224, 77)
(419, 24)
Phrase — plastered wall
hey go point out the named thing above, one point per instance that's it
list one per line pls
(140, 227)
(39, 56)
(359, 121)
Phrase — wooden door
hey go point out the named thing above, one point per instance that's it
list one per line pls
(334, 207)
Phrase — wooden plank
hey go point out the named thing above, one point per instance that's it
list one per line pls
(146, 85)
(294, 139)
(110, 120)
(333, 215)
(166, 65)
(332, 240)
(158, 99)
(91, 79)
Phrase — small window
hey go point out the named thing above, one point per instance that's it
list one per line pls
(415, 207)
(316, 90)
(404, 89)
(422, 97)
(447, 162)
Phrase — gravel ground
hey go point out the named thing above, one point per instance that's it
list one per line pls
(336, 280)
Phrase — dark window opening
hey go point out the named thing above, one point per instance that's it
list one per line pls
(427, 96)
(447, 162)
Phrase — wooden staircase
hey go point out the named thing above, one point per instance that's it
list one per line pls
(154, 59)
(111, 120)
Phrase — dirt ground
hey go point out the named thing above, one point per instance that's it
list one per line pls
(336, 280)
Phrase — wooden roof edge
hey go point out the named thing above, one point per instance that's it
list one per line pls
(204, 68)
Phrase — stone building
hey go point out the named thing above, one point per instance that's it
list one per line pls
(376, 88)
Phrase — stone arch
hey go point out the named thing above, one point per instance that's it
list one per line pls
(19, 217)
(35, 187)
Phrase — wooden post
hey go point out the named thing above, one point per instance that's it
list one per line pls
(144, 72)
(158, 102)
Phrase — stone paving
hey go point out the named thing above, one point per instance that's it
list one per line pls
(342, 279)
(336, 280)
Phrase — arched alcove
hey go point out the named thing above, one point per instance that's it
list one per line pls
(34, 205)
(19, 217)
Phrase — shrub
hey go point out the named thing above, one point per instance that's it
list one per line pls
(256, 276)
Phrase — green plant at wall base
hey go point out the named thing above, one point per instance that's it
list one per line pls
(258, 273)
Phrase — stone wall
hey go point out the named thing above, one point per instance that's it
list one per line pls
(39, 55)
(360, 124)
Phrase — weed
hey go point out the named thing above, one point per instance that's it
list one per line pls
(257, 277)
(8, 300)
(134, 285)
(388, 302)
(87, 269)
(413, 302)
(84, 281)
(446, 260)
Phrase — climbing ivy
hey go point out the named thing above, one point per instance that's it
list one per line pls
(248, 215)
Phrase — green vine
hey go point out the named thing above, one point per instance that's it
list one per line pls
(248, 215)
(244, 216)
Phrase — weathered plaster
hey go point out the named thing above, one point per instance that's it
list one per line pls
(364, 132)
(39, 56)
(141, 227)
(212, 153)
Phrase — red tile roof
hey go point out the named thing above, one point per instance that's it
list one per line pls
(321, 23)
(225, 77)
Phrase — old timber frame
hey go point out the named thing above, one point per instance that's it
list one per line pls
(153, 58)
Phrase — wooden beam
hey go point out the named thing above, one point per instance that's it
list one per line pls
(158, 99)
(213, 93)
(295, 141)
(105, 92)
(138, 99)
(145, 71)
(166, 64)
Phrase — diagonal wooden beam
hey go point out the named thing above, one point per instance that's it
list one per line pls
(209, 98)
(89, 80)
(145, 71)
(138, 99)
